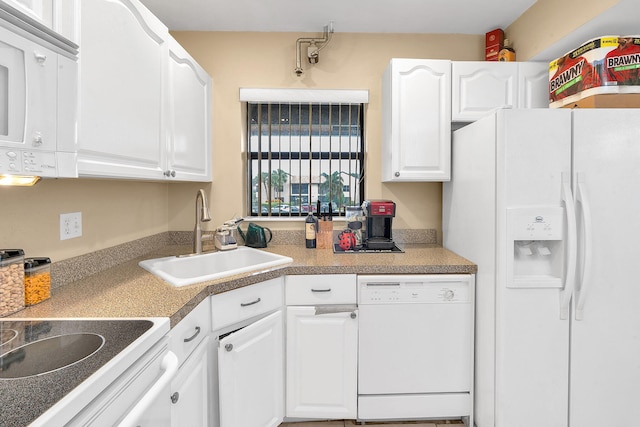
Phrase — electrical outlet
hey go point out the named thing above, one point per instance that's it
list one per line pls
(70, 225)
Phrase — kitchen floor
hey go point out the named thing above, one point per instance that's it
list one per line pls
(351, 423)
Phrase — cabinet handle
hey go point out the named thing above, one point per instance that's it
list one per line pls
(353, 315)
(41, 58)
(174, 397)
(169, 173)
(228, 347)
(321, 290)
(193, 337)
(37, 139)
(397, 174)
(247, 304)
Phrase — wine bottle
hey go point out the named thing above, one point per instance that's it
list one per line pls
(310, 231)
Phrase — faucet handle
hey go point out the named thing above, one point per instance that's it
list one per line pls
(207, 236)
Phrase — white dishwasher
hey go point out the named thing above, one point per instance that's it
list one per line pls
(415, 347)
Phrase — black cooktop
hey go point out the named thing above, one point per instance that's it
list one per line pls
(25, 398)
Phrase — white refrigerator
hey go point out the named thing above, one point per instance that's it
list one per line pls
(547, 204)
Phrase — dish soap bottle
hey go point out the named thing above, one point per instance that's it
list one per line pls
(507, 53)
(310, 231)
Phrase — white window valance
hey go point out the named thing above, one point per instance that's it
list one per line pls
(319, 96)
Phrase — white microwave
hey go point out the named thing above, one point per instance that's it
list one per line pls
(38, 103)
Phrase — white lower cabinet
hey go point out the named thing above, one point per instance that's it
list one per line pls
(248, 327)
(191, 396)
(251, 375)
(322, 347)
(322, 356)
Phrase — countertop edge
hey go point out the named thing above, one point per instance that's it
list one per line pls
(127, 290)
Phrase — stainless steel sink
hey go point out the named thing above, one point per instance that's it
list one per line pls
(182, 271)
(49, 354)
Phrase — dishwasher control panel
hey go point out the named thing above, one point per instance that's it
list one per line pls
(436, 289)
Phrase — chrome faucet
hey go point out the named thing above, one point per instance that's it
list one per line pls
(202, 215)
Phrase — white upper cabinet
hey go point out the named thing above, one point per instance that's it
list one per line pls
(480, 87)
(122, 81)
(145, 105)
(65, 19)
(533, 85)
(60, 16)
(39, 10)
(189, 136)
(416, 120)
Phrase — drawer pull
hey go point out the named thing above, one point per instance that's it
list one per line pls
(321, 290)
(247, 304)
(228, 347)
(175, 397)
(193, 337)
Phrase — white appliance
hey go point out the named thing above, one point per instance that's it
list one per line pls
(415, 347)
(38, 79)
(546, 203)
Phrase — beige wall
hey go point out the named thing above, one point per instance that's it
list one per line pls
(349, 61)
(548, 21)
(113, 212)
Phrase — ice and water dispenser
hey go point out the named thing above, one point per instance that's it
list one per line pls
(535, 247)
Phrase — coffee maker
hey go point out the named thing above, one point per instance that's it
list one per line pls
(379, 215)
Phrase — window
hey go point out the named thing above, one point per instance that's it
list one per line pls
(302, 153)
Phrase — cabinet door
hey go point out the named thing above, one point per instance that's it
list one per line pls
(122, 87)
(66, 20)
(251, 374)
(416, 120)
(322, 357)
(533, 85)
(480, 87)
(40, 10)
(189, 139)
(190, 390)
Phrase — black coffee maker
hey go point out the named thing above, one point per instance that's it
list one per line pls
(379, 215)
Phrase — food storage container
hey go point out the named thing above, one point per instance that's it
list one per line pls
(11, 281)
(37, 280)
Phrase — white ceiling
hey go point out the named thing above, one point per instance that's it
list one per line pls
(360, 16)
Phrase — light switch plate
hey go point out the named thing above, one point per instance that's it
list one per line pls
(70, 225)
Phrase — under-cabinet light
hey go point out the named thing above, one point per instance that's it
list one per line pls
(19, 180)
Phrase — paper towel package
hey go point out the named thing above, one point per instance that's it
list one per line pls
(604, 65)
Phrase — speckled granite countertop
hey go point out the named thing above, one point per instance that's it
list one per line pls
(127, 290)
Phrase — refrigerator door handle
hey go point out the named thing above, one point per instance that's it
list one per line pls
(569, 285)
(583, 200)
